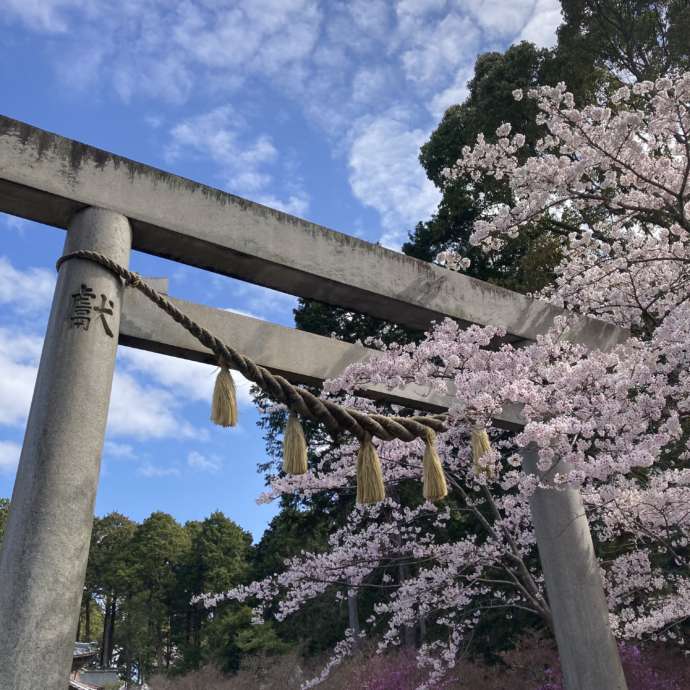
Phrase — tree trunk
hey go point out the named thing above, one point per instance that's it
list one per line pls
(111, 634)
(168, 650)
(105, 641)
(407, 630)
(87, 618)
(353, 615)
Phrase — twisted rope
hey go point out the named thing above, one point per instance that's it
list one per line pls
(335, 417)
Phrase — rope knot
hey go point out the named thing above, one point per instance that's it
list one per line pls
(134, 280)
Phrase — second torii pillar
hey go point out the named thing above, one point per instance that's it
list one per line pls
(586, 647)
(46, 543)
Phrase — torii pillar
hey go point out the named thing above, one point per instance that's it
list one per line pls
(586, 647)
(46, 543)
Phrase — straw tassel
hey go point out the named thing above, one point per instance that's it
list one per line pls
(370, 488)
(434, 486)
(479, 440)
(294, 447)
(224, 404)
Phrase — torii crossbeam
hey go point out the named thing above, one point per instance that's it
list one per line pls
(110, 205)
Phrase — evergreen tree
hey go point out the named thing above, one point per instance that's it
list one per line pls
(625, 38)
(218, 559)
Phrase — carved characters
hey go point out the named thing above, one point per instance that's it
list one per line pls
(84, 309)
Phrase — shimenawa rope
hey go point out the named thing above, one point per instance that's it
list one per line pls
(335, 417)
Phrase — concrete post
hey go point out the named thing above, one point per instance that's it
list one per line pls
(46, 543)
(587, 649)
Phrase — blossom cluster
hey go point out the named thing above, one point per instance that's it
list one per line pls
(612, 181)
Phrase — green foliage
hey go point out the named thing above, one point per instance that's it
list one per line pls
(218, 554)
(231, 636)
(110, 561)
(526, 263)
(626, 38)
(140, 582)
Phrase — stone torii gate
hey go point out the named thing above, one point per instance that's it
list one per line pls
(111, 205)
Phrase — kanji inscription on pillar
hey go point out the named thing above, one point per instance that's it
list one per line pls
(85, 308)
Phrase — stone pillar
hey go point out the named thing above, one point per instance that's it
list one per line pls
(586, 646)
(46, 543)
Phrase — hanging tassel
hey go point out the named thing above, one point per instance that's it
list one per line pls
(224, 404)
(294, 447)
(434, 486)
(370, 488)
(479, 440)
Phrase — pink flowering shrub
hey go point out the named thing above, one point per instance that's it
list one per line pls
(648, 669)
(395, 671)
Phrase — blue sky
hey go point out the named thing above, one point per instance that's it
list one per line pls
(316, 108)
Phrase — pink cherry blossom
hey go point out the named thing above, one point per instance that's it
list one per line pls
(613, 179)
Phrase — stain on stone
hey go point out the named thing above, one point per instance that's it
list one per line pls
(45, 142)
(99, 157)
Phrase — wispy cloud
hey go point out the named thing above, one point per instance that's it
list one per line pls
(182, 379)
(541, 26)
(157, 408)
(121, 451)
(157, 413)
(14, 223)
(350, 68)
(152, 471)
(9, 456)
(203, 463)
(19, 354)
(43, 15)
(30, 289)
(381, 177)
(247, 164)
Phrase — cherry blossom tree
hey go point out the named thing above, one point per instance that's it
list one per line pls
(613, 181)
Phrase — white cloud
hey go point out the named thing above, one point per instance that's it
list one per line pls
(440, 48)
(122, 451)
(385, 174)
(498, 17)
(15, 223)
(168, 78)
(369, 83)
(145, 412)
(264, 303)
(541, 28)
(220, 136)
(19, 354)
(455, 93)
(370, 16)
(197, 461)
(27, 290)
(182, 379)
(341, 64)
(43, 15)
(9, 456)
(263, 35)
(151, 471)
(295, 204)
(157, 408)
(247, 164)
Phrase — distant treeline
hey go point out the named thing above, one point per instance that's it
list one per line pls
(141, 578)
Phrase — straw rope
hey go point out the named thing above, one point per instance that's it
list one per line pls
(335, 417)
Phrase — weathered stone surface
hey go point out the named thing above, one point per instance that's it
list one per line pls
(587, 649)
(46, 543)
(45, 177)
(298, 356)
